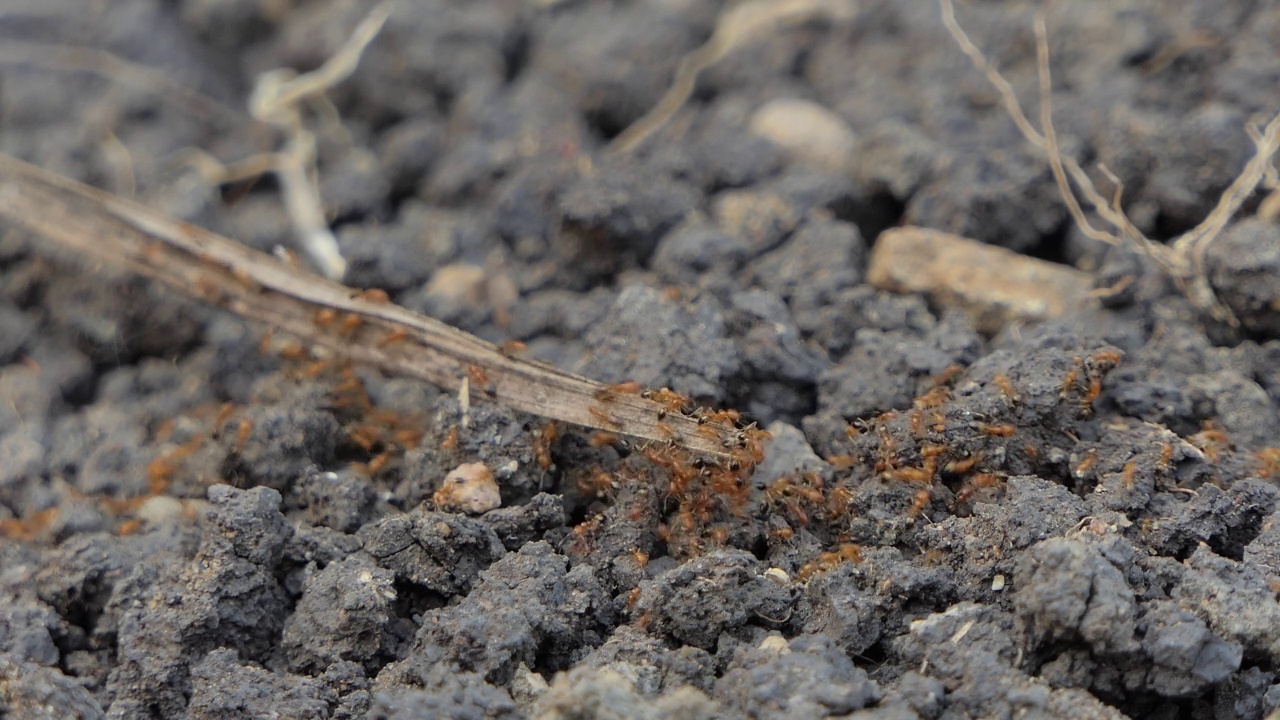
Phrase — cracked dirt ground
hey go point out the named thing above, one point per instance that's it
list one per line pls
(955, 518)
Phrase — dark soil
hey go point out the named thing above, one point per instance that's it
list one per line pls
(1079, 518)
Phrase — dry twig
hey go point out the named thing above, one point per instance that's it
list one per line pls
(736, 26)
(224, 273)
(277, 100)
(1183, 258)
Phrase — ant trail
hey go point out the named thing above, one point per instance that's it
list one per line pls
(368, 328)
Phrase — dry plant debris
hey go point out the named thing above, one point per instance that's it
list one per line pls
(1183, 259)
(277, 100)
(360, 326)
(737, 25)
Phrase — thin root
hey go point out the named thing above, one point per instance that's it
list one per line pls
(1182, 260)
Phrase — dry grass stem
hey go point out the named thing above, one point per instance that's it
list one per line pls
(1269, 210)
(1176, 49)
(104, 64)
(120, 160)
(1049, 140)
(96, 224)
(277, 100)
(1183, 258)
(1189, 249)
(277, 95)
(218, 173)
(737, 25)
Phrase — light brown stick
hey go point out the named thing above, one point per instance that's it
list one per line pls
(226, 274)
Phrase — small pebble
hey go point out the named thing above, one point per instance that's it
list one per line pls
(159, 510)
(471, 488)
(994, 285)
(775, 643)
(809, 133)
(462, 283)
(778, 575)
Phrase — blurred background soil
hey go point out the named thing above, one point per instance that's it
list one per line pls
(1074, 517)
